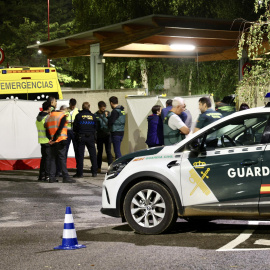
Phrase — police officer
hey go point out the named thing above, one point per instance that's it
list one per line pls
(116, 124)
(207, 115)
(57, 128)
(103, 134)
(84, 127)
(174, 129)
(44, 171)
(226, 106)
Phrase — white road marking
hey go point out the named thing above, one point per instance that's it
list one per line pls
(246, 249)
(237, 241)
(262, 242)
(240, 239)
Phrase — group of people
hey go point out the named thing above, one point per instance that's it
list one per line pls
(57, 128)
(170, 125)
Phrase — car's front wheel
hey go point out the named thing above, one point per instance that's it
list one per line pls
(149, 208)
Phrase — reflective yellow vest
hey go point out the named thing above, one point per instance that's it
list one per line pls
(42, 138)
(70, 118)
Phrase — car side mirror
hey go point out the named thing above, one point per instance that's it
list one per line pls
(194, 148)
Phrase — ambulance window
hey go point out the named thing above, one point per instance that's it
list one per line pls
(242, 131)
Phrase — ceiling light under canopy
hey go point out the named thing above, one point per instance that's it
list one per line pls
(182, 47)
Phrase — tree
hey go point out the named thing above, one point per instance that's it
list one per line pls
(255, 41)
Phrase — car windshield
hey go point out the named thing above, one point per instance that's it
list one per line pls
(241, 131)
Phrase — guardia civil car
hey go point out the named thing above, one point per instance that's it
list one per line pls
(221, 171)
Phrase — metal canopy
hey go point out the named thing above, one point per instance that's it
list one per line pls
(151, 36)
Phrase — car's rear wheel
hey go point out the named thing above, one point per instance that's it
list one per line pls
(149, 208)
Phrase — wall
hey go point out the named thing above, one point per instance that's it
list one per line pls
(140, 107)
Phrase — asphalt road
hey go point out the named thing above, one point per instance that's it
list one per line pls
(32, 218)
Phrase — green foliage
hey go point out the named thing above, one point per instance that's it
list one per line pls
(255, 40)
(219, 78)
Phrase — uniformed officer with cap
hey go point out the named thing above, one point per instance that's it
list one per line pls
(208, 115)
(84, 127)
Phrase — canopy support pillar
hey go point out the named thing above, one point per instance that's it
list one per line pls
(96, 67)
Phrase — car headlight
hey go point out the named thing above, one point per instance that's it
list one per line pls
(116, 168)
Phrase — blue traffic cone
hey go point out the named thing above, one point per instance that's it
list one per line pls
(69, 240)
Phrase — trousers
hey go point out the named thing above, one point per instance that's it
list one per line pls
(59, 151)
(116, 141)
(89, 142)
(45, 162)
(106, 141)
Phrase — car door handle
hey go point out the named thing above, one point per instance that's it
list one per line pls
(173, 164)
(248, 162)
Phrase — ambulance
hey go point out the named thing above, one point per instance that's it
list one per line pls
(220, 172)
(31, 83)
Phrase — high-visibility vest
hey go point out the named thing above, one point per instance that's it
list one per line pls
(171, 136)
(119, 124)
(52, 124)
(71, 118)
(42, 138)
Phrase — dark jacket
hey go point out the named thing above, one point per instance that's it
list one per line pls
(155, 131)
(85, 123)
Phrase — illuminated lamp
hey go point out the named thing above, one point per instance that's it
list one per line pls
(182, 47)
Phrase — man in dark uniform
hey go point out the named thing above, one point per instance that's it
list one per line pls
(226, 106)
(103, 134)
(208, 115)
(116, 124)
(84, 127)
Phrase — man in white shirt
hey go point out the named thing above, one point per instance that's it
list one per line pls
(174, 129)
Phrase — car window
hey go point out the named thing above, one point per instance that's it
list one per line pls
(241, 131)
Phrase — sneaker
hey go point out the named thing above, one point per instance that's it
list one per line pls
(77, 176)
(99, 170)
(94, 175)
(42, 178)
(69, 180)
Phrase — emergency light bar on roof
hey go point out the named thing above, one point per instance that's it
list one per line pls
(28, 71)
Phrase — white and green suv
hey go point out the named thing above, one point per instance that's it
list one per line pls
(221, 171)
